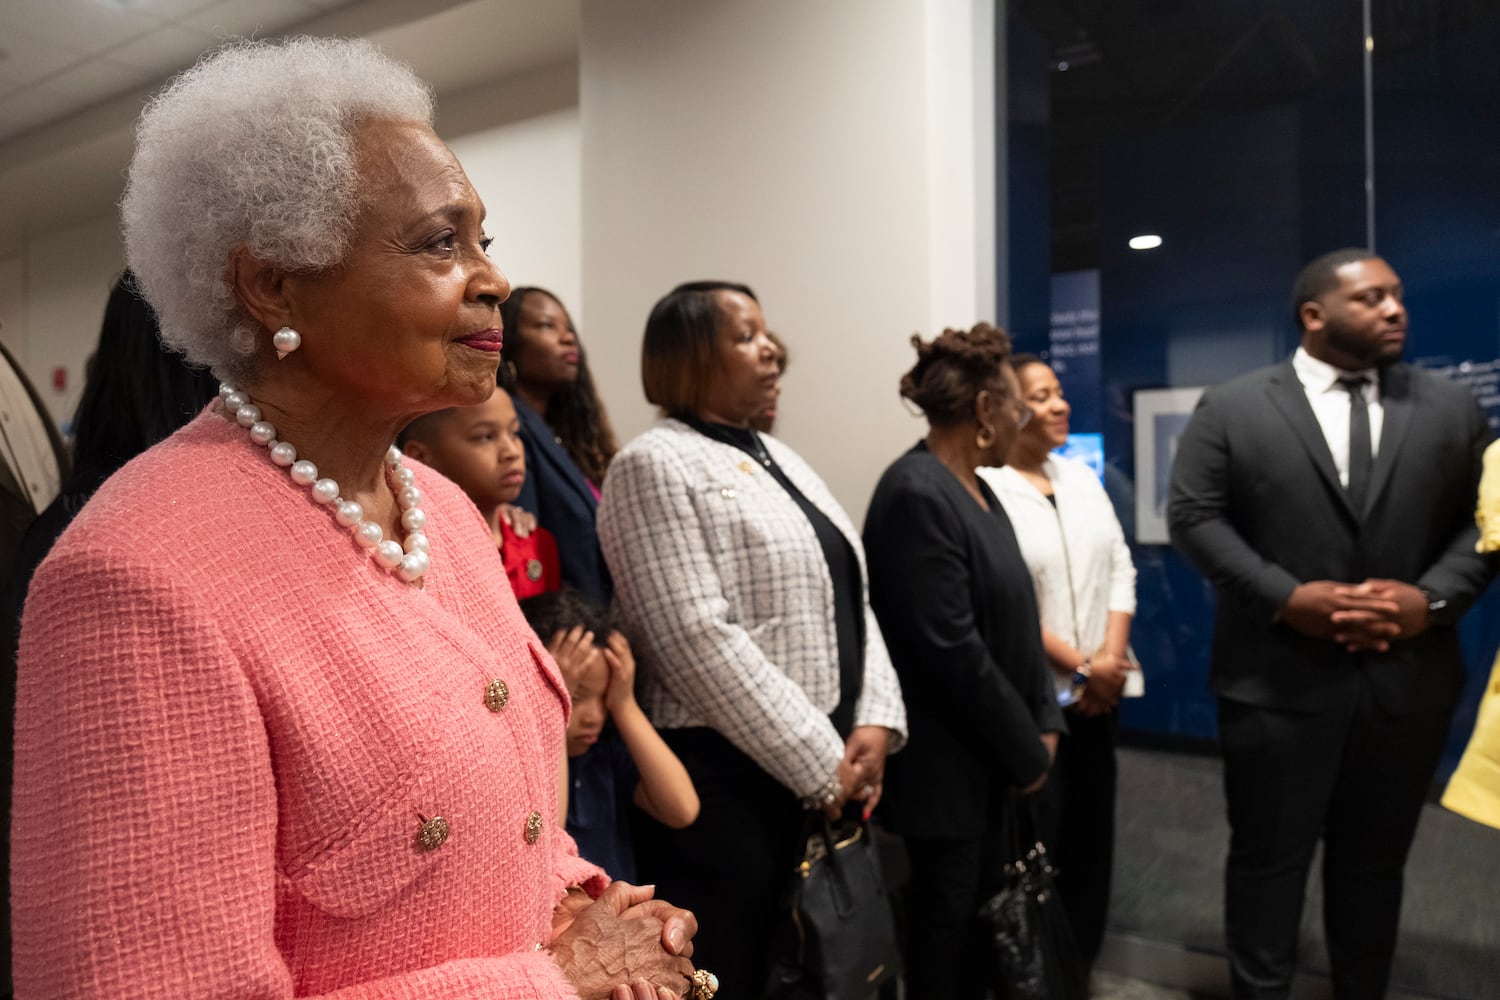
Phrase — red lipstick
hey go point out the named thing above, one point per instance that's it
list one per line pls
(485, 340)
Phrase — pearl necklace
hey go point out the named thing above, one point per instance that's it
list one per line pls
(409, 561)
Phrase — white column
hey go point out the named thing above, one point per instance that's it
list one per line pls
(837, 156)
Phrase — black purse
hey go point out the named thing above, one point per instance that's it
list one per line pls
(839, 938)
(1033, 951)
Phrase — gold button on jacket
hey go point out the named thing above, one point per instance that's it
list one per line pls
(433, 833)
(496, 695)
(533, 827)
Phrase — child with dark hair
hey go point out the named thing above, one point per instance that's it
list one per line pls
(479, 448)
(615, 756)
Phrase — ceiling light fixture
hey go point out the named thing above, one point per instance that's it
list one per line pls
(1145, 241)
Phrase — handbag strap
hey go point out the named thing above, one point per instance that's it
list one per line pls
(1019, 825)
(821, 846)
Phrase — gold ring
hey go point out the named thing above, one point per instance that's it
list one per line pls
(705, 985)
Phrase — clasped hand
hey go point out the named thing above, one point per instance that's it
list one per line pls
(626, 945)
(1358, 616)
(1106, 683)
(861, 773)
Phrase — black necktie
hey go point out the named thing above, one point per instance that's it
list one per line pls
(1359, 443)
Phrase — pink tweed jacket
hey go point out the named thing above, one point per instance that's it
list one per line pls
(231, 728)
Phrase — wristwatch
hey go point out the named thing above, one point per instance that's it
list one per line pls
(1439, 612)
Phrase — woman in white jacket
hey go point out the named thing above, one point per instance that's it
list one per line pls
(1085, 589)
(741, 582)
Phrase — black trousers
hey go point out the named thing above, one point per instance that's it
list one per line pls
(1076, 814)
(731, 867)
(1356, 777)
(947, 958)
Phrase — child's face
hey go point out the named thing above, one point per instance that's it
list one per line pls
(589, 713)
(479, 448)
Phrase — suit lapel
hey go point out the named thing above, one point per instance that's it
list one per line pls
(1396, 404)
(1290, 399)
(554, 455)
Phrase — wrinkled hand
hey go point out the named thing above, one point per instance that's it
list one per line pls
(625, 938)
(862, 771)
(574, 652)
(521, 521)
(621, 662)
(574, 903)
(678, 926)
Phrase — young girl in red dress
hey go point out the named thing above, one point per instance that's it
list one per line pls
(479, 448)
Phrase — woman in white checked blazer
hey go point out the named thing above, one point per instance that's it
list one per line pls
(742, 584)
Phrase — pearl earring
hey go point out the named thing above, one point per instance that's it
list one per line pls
(286, 341)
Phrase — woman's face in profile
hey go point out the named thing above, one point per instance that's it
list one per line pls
(1005, 410)
(1043, 393)
(745, 377)
(546, 345)
(410, 320)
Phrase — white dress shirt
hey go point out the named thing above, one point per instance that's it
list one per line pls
(1330, 404)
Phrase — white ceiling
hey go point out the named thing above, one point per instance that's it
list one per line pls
(61, 56)
(74, 73)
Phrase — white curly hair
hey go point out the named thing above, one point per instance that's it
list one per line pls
(251, 147)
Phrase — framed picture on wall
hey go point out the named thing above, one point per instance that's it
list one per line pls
(1161, 415)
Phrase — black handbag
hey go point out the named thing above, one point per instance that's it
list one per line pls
(838, 941)
(1033, 951)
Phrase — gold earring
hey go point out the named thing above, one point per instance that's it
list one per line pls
(985, 437)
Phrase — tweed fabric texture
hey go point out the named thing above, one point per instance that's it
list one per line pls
(231, 727)
(724, 591)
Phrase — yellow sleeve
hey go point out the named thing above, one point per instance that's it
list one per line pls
(1487, 513)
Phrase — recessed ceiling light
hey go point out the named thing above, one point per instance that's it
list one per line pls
(1145, 241)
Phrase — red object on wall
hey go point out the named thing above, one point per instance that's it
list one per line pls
(60, 379)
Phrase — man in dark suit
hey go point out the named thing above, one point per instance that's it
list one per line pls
(1330, 500)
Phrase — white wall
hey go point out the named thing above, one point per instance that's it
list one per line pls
(518, 140)
(527, 173)
(825, 154)
(66, 279)
(13, 305)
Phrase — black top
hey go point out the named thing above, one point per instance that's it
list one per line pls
(843, 568)
(956, 607)
(602, 781)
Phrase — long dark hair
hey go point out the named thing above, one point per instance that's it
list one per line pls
(136, 392)
(575, 413)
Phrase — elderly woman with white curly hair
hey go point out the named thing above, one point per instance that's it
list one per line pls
(281, 728)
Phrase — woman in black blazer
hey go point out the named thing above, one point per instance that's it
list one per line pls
(569, 442)
(954, 601)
